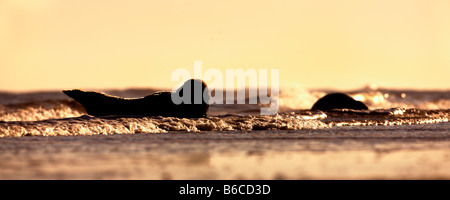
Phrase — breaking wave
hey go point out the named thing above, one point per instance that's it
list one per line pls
(88, 125)
(52, 113)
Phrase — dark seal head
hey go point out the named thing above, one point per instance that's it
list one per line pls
(338, 101)
(193, 97)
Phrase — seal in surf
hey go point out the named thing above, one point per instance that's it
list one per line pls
(338, 101)
(157, 104)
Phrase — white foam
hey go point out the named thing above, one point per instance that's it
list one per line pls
(87, 125)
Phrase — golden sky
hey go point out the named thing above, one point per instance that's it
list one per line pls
(346, 44)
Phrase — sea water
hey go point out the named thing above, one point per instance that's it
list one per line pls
(52, 113)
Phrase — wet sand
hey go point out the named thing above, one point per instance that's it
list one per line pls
(381, 152)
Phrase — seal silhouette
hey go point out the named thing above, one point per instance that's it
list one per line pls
(156, 104)
(338, 101)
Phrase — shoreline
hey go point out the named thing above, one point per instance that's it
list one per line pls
(412, 152)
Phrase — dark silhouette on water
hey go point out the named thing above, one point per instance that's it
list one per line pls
(338, 101)
(157, 104)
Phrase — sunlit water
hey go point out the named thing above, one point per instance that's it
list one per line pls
(364, 152)
(52, 113)
(404, 135)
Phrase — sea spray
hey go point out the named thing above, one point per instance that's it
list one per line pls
(52, 113)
